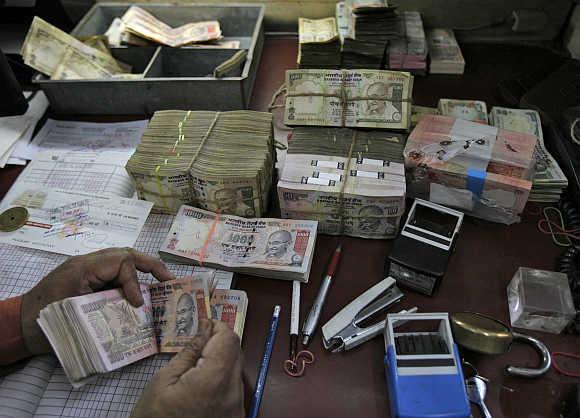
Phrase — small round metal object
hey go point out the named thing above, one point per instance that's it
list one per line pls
(480, 333)
(13, 218)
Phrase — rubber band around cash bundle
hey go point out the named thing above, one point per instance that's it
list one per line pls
(208, 238)
(180, 139)
(344, 99)
(279, 91)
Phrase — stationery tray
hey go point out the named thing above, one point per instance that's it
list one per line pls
(173, 78)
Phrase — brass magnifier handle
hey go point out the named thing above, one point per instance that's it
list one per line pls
(542, 351)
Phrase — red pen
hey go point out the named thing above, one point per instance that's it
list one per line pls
(314, 314)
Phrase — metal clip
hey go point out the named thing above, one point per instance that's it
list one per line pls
(343, 332)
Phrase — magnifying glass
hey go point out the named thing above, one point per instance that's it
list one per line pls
(486, 335)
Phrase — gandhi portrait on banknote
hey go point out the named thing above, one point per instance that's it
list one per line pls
(380, 102)
(230, 202)
(278, 244)
(184, 324)
(370, 218)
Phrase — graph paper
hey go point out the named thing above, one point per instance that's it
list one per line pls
(48, 393)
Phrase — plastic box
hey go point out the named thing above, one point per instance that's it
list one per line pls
(540, 300)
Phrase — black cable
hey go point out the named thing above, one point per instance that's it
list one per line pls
(570, 259)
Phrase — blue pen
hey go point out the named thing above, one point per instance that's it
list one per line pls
(261, 381)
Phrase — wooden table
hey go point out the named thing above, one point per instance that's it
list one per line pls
(352, 384)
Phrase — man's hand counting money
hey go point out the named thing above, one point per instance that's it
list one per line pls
(204, 380)
(86, 274)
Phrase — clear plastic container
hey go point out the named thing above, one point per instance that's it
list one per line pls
(540, 300)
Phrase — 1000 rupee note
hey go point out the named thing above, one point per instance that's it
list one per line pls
(98, 332)
(229, 306)
(45, 45)
(354, 98)
(274, 248)
(178, 306)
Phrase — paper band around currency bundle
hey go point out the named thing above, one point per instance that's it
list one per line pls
(347, 169)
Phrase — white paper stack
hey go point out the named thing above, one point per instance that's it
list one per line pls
(16, 131)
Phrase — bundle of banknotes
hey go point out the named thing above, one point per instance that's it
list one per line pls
(473, 110)
(417, 112)
(117, 35)
(220, 161)
(271, 248)
(363, 54)
(549, 180)
(139, 27)
(60, 56)
(409, 53)
(352, 182)
(101, 332)
(374, 20)
(444, 52)
(318, 43)
(349, 98)
(481, 169)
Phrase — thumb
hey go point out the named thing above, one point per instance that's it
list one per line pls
(188, 357)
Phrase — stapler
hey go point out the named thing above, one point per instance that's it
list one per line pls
(344, 332)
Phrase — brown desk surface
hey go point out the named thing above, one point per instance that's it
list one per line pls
(353, 384)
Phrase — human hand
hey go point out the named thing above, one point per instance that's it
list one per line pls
(85, 274)
(204, 380)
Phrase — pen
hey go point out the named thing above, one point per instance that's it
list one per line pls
(261, 380)
(314, 314)
(294, 318)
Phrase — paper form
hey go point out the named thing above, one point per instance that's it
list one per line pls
(92, 172)
(15, 130)
(75, 223)
(60, 135)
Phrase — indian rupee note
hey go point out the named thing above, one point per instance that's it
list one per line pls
(45, 45)
(142, 23)
(178, 306)
(275, 248)
(354, 98)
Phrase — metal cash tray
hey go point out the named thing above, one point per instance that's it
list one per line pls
(174, 78)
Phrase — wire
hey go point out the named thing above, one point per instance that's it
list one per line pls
(559, 369)
(556, 229)
(297, 366)
(533, 209)
(568, 261)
